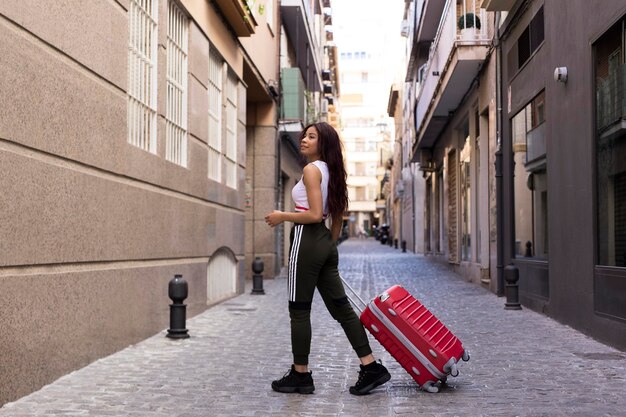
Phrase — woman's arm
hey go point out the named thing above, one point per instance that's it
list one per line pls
(312, 178)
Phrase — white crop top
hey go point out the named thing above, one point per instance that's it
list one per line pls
(299, 190)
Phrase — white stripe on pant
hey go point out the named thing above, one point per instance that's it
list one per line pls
(293, 262)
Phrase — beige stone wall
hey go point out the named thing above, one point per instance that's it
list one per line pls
(261, 183)
(92, 228)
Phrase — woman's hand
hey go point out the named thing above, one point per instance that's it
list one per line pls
(274, 218)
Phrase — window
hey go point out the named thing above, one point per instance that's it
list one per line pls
(176, 101)
(231, 131)
(530, 39)
(142, 73)
(530, 180)
(215, 116)
(610, 71)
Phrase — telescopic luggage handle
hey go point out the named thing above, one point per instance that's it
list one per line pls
(354, 303)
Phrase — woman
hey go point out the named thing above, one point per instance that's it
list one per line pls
(313, 261)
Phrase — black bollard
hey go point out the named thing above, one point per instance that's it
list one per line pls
(511, 276)
(257, 278)
(177, 290)
(395, 243)
(404, 246)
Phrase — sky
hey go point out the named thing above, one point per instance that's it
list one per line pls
(372, 26)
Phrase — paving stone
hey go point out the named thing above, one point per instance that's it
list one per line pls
(522, 363)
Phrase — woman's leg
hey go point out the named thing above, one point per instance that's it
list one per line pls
(305, 261)
(372, 374)
(333, 293)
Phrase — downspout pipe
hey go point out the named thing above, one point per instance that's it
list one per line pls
(498, 165)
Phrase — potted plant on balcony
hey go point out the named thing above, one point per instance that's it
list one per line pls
(468, 24)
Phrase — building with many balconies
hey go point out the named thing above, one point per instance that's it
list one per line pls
(367, 130)
(453, 70)
(519, 133)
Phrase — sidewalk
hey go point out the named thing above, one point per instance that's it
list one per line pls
(522, 363)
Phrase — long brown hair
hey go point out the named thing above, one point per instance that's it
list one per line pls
(331, 152)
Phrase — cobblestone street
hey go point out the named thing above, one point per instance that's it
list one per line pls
(522, 363)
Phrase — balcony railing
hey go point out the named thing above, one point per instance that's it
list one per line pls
(536, 143)
(449, 36)
(611, 99)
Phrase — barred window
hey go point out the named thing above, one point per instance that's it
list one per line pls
(216, 67)
(231, 131)
(176, 102)
(142, 73)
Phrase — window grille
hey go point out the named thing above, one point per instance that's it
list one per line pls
(215, 116)
(142, 73)
(176, 111)
(231, 131)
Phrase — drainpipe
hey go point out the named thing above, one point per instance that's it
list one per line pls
(498, 165)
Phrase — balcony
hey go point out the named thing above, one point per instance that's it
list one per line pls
(536, 148)
(455, 57)
(498, 5)
(238, 16)
(611, 103)
(297, 17)
(429, 17)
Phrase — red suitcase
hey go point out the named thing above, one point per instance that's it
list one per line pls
(423, 345)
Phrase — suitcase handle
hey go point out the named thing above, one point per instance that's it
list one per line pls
(354, 303)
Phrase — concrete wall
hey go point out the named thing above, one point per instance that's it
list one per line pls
(570, 118)
(261, 185)
(92, 227)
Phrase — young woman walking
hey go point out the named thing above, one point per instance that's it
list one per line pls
(313, 261)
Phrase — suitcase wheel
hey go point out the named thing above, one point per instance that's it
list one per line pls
(466, 356)
(430, 387)
(450, 367)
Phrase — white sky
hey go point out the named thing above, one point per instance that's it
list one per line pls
(372, 26)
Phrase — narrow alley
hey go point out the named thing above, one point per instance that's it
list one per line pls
(522, 362)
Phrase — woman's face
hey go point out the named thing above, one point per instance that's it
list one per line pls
(309, 144)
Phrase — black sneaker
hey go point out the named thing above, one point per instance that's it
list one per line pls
(370, 376)
(294, 381)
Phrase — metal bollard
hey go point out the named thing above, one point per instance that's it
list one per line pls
(177, 291)
(395, 243)
(404, 246)
(257, 278)
(511, 276)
